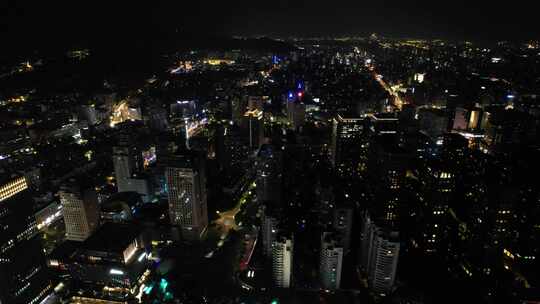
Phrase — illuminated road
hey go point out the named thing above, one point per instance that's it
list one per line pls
(226, 220)
(398, 102)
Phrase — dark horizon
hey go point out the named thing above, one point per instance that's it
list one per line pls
(33, 25)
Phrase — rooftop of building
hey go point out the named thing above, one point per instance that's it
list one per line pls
(349, 115)
(389, 143)
(434, 111)
(384, 116)
(116, 202)
(112, 237)
(65, 250)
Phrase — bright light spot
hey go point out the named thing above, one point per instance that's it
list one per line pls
(116, 272)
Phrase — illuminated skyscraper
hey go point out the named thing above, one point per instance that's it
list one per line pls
(23, 277)
(282, 261)
(331, 261)
(81, 211)
(186, 182)
(349, 144)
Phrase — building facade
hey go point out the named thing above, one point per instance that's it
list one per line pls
(331, 261)
(23, 275)
(81, 212)
(282, 261)
(186, 183)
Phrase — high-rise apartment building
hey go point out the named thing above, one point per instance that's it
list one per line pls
(331, 261)
(379, 255)
(282, 261)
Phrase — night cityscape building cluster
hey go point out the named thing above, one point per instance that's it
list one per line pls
(356, 169)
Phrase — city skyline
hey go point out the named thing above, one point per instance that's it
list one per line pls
(271, 152)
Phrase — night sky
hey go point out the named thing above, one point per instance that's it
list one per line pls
(41, 21)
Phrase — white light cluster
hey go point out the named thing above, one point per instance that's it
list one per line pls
(116, 272)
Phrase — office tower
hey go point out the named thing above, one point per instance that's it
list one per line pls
(508, 127)
(138, 183)
(475, 119)
(454, 149)
(379, 255)
(183, 109)
(296, 113)
(439, 186)
(502, 216)
(88, 113)
(282, 261)
(123, 163)
(434, 122)
(331, 261)
(269, 232)
(127, 161)
(388, 165)
(349, 144)
(23, 275)
(186, 182)
(460, 119)
(111, 265)
(81, 210)
(256, 128)
(269, 175)
(342, 224)
(158, 119)
(129, 165)
(238, 105)
(385, 123)
(223, 155)
(256, 102)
